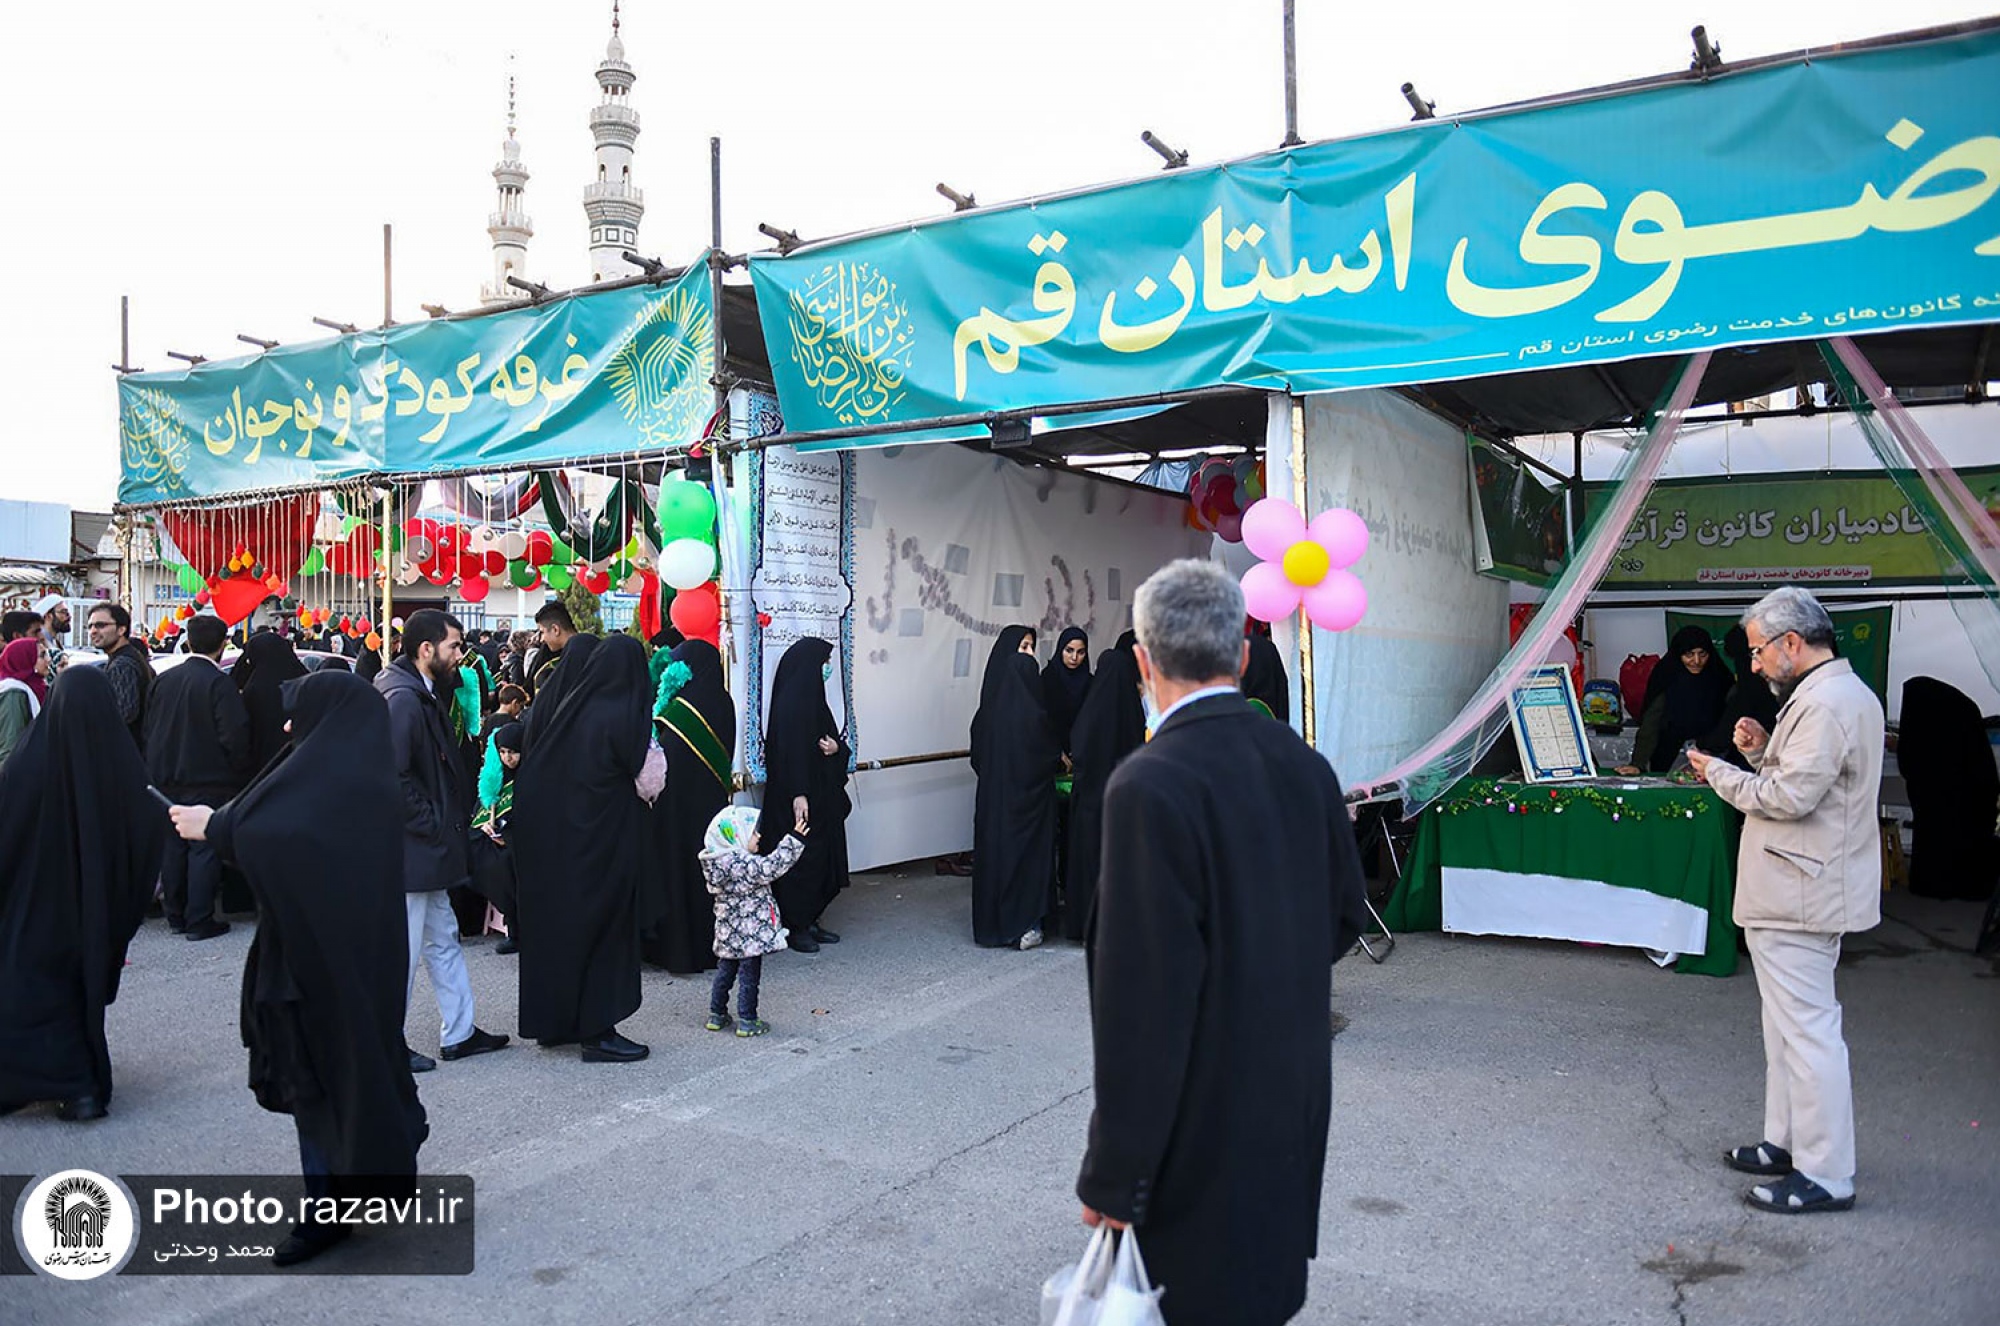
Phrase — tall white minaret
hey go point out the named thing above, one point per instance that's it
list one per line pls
(612, 204)
(508, 224)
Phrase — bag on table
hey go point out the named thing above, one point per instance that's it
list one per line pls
(1104, 1288)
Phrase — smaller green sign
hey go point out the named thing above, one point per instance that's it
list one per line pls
(1848, 527)
(1860, 634)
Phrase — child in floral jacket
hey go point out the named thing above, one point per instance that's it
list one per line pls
(746, 914)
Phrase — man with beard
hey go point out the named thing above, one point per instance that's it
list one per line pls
(1809, 871)
(436, 819)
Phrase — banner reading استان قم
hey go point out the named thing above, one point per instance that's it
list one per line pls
(1846, 194)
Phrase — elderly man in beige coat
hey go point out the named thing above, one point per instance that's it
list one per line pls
(1810, 871)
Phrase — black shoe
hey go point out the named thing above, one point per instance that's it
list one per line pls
(479, 1042)
(1795, 1194)
(507, 945)
(1763, 1159)
(306, 1242)
(420, 1063)
(804, 943)
(611, 1048)
(821, 934)
(207, 930)
(81, 1110)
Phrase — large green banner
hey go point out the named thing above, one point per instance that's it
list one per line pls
(1844, 527)
(1848, 193)
(1860, 634)
(590, 375)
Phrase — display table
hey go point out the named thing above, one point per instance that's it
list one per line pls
(1652, 867)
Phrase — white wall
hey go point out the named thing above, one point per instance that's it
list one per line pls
(1434, 627)
(985, 528)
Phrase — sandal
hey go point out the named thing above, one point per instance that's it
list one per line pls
(1796, 1194)
(1763, 1159)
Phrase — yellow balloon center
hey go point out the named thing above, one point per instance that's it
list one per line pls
(1306, 563)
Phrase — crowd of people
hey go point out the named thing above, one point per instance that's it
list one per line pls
(560, 787)
(579, 792)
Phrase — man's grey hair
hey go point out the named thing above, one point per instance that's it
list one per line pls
(1189, 616)
(1792, 609)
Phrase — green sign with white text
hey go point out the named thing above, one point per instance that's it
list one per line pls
(1844, 528)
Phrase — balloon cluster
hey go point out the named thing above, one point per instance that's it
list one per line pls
(1220, 491)
(1304, 565)
(689, 561)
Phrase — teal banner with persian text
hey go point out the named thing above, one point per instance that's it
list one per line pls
(590, 375)
(1849, 193)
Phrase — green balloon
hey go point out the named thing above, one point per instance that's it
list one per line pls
(315, 563)
(522, 574)
(190, 579)
(565, 555)
(686, 511)
(557, 575)
(621, 570)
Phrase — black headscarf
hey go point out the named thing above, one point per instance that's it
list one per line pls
(578, 834)
(1750, 697)
(324, 984)
(547, 697)
(1945, 757)
(80, 846)
(1264, 678)
(1063, 688)
(267, 664)
(1693, 701)
(676, 914)
(1111, 725)
(1016, 758)
(794, 766)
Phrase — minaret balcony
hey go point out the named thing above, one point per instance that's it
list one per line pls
(510, 227)
(613, 191)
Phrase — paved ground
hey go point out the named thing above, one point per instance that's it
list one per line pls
(1523, 1133)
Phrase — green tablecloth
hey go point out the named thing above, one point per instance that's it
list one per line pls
(1676, 842)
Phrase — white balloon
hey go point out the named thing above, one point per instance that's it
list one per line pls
(685, 563)
(513, 544)
(419, 550)
(480, 540)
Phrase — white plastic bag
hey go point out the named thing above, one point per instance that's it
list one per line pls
(652, 779)
(1105, 1288)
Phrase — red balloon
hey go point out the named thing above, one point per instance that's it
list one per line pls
(1229, 528)
(542, 550)
(411, 527)
(495, 563)
(597, 582)
(474, 590)
(697, 612)
(446, 564)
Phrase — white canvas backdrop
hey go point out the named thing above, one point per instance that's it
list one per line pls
(1435, 627)
(952, 546)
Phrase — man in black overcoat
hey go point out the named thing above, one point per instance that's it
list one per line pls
(1230, 885)
(198, 753)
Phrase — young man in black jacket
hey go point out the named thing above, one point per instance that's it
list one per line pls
(198, 753)
(128, 665)
(436, 821)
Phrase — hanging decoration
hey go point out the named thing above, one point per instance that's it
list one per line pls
(1220, 490)
(1304, 565)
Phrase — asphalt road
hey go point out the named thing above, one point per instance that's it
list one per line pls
(1523, 1133)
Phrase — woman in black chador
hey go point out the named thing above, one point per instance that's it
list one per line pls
(696, 727)
(1685, 697)
(268, 662)
(80, 847)
(1065, 682)
(579, 836)
(1111, 725)
(1264, 681)
(1016, 758)
(805, 764)
(324, 985)
(1942, 750)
